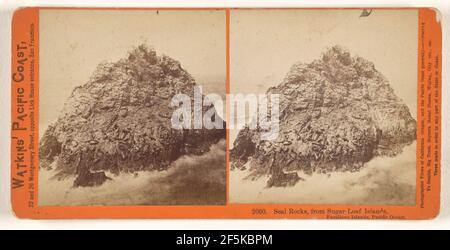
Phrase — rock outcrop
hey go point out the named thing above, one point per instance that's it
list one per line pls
(120, 121)
(336, 114)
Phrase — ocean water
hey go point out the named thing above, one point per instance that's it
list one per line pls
(190, 180)
(382, 181)
(200, 180)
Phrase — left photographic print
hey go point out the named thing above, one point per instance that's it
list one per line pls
(131, 109)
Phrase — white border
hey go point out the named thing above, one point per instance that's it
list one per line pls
(8, 221)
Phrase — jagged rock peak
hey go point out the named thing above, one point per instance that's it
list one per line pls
(119, 121)
(339, 63)
(336, 113)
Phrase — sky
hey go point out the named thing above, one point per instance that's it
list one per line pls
(74, 42)
(266, 43)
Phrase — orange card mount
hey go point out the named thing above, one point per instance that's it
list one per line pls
(135, 113)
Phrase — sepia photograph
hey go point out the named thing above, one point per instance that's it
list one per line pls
(224, 123)
(108, 82)
(344, 88)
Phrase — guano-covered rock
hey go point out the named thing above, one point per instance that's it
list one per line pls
(336, 114)
(119, 121)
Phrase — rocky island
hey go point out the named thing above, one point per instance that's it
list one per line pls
(120, 121)
(336, 114)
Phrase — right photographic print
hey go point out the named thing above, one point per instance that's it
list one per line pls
(323, 106)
